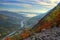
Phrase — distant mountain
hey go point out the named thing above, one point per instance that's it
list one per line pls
(34, 20)
(10, 21)
(11, 14)
(19, 15)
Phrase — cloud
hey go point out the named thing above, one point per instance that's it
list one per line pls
(30, 15)
(34, 11)
(40, 6)
(44, 3)
(47, 3)
(36, 6)
(54, 1)
(17, 4)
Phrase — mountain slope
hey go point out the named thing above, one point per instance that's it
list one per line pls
(50, 20)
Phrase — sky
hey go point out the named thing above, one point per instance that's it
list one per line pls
(34, 6)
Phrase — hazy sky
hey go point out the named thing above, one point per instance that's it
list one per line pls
(36, 6)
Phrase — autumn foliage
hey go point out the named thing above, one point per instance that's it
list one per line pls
(24, 35)
(7, 38)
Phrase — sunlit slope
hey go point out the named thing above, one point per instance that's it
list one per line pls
(50, 20)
